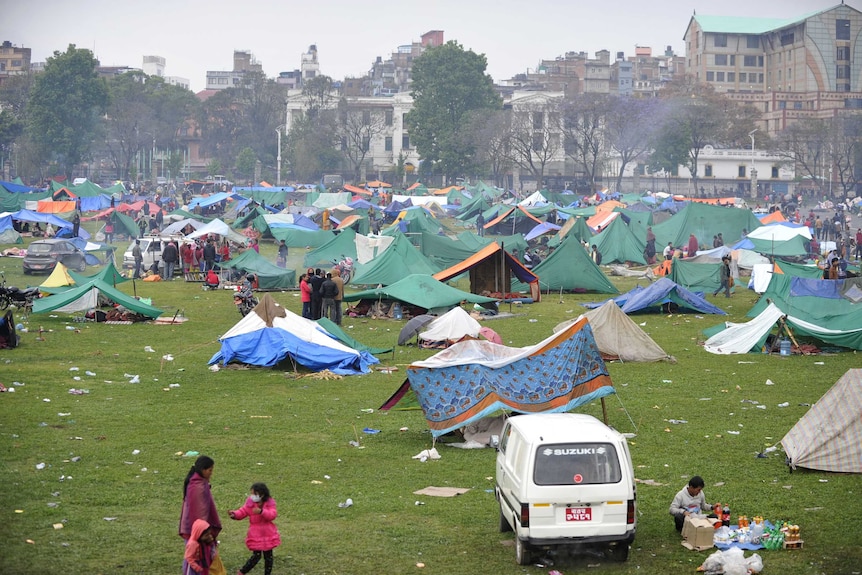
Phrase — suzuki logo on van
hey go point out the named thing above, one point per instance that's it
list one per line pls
(574, 451)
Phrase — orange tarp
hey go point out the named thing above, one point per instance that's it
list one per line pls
(356, 190)
(609, 206)
(55, 207)
(602, 219)
(377, 184)
(487, 252)
(775, 216)
(348, 221)
(508, 212)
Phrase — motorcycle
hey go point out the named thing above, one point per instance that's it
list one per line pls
(244, 300)
(11, 295)
(344, 268)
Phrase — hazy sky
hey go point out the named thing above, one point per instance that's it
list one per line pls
(195, 35)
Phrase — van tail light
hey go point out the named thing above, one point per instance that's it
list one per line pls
(525, 514)
(630, 512)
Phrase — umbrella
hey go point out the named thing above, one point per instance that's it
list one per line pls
(490, 335)
(413, 327)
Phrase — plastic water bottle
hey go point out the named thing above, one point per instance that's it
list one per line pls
(785, 346)
(397, 311)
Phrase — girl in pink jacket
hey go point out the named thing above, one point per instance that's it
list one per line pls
(263, 535)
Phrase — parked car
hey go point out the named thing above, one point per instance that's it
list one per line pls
(151, 251)
(43, 255)
(565, 480)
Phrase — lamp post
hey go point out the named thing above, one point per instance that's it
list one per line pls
(278, 158)
(753, 169)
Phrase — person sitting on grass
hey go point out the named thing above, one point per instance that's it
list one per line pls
(689, 501)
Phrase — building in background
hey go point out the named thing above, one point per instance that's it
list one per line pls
(243, 62)
(13, 60)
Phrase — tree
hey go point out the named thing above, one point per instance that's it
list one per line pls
(66, 103)
(448, 82)
(583, 119)
(488, 131)
(245, 163)
(310, 149)
(357, 129)
(630, 129)
(534, 137)
(803, 144)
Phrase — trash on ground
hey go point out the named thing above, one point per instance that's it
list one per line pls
(427, 454)
(432, 491)
(345, 504)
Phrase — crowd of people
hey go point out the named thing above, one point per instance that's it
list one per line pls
(321, 295)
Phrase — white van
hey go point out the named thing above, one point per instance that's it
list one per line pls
(565, 479)
(151, 251)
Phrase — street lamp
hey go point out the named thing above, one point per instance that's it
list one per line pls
(278, 159)
(753, 169)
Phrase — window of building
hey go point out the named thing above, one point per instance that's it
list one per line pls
(779, 75)
(782, 104)
(731, 76)
(538, 120)
(733, 59)
(779, 57)
(787, 38)
(843, 53)
(387, 117)
(719, 76)
(720, 40)
(17, 63)
(344, 143)
(740, 171)
(854, 103)
(749, 61)
(710, 76)
(387, 144)
(405, 141)
(842, 29)
(707, 171)
(721, 59)
(774, 172)
(759, 78)
(366, 143)
(842, 71)
(366, 117)
(797, 105)
(743, 77)
(752, 42)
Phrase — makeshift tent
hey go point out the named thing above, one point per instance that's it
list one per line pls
(271, 333)
(219, 228)
(618, 244)
(269, 275)
(491, 270)
(421, 291)
(450, 327)
(399, 260)
(514, 220)
(704, 221)
(342, 245)
(662, 292)
(443, 251)
(618, 337)
(705, 277)
(829, 436)
(86, 296)
(570, 268)
(59, 278)
(575, 226)
(9, 338)
(299, 237)
(474, 378)
(335, 330)
(416, 220)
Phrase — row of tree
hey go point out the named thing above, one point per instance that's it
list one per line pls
(460, 126)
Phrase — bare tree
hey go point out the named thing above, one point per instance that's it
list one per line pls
(358, 127)
(803, 144)
(535, 137)
(845, 150)
(630, 129)
(583, 120)
(488, 131)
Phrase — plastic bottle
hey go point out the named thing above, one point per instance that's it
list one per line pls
(726, 515)
(785, 347)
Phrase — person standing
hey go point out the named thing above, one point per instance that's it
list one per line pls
(858, 254)
(76, 223)
(724, 277)
(818, 228)
(198, 501)
(281, 259)
(187, 254)
(109, 230)
(305, 293)
(667, 252)
(692, 246)
(480, 225)
(209, 256)
(339, 283)
(138, 257)
(649, 250)
(596, 255)
(689, 501)
(328, 291)
(263, 535)
(315, 281)
(170, 255)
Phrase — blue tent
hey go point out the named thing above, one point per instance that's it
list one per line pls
(661, 292)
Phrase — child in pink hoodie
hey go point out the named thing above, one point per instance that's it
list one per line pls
(263, 535)
(200, 549)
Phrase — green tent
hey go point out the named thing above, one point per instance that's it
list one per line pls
(295, 237)
(470, 208)
(570, 268)
(420, 290)
(108, 274)
(124, 224)
(575, 226)
(698, 277)
(269, 275)
(342, 244)
(418, 220)
(704, 221)
(795, 246)
(587, 212)
(476, 243)
(342, 336)
(800, 270)
(86, 296)
(443, 251)
(618, 243)
(180, 214)
(250, 218)
(398, 261)
(13, 202)
(638, 221)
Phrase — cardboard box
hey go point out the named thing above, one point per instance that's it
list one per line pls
(698, 533)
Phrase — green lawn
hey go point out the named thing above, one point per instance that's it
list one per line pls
(114, 465)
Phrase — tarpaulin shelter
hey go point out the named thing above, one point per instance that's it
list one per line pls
(271, 333)
(491, 270)
(704, 277)
(298, 237)
(778, 239)
(342, 244)
(704, 221)
(443, 250)
(619, 244)
(474, 378)
(416, 220)
(399, 260)
(335, 330)
(516, 219)
(269, 275)
(86, 296)
(219, 228)
(476, 243)
(421, 291)
(575, 226)
(450, 327)
(570, 268)
(618, 337)
(59, 278)
(664, 291)
(829, 436)
(541, 229)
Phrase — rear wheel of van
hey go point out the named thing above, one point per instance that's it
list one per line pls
(504, 525)
(620, 552)
(523, 553)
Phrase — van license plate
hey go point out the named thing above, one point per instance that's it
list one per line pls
(579, 514)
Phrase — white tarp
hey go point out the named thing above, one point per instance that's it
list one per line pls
(370, 246)
(742, 337)
(420, 200)
(451, 326)
(219, 228)
(779, 232)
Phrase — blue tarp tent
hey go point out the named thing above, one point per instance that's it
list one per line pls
(661, 292)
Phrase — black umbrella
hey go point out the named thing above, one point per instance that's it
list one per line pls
(413, 327)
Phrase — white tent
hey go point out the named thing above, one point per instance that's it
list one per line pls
(220, 228)
(618, 337)
(451, 326)
(829, 436)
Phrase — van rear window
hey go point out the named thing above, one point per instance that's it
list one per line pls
(576, 464)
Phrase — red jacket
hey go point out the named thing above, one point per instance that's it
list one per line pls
(305, 291)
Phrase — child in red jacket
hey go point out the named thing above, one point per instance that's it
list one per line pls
(263, 535)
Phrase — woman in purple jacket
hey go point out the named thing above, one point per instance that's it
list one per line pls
(198, 499)
(263, 535)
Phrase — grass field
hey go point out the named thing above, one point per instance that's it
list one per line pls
(112, 462)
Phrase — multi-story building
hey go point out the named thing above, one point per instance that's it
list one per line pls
(13, 60)
(572, 74)
(243, 62)
(789, 68)
(643, 74)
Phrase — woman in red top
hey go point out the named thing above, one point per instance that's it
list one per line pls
(305, 291)
(224, 251)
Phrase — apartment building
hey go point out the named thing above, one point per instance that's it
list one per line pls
(13, 60)
(789, 68)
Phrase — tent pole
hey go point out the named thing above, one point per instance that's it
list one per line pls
(604, 411)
